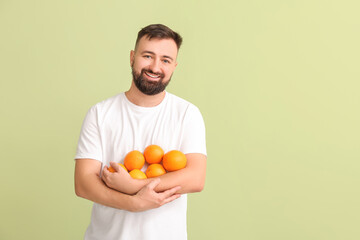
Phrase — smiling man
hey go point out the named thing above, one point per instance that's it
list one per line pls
(127, 208)
(150, 79)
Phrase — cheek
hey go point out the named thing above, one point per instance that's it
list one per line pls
(170, 71)
(139, 64)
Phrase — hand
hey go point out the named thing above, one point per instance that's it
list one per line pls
(147, 198)
(120, 180)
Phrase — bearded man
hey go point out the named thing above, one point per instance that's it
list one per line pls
(146, 114)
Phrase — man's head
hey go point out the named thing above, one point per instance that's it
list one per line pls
(154, 59)
(159, 31)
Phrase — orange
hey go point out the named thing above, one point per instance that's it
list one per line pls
(155, 170)
(134, 160)
(174, 160)
(111, 169)
(137, 174)
(153, 154)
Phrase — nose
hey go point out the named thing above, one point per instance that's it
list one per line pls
(155, 66)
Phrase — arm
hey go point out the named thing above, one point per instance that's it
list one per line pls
(190, 179)
(88, 185)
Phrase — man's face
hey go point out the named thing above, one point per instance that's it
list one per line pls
(153, 63)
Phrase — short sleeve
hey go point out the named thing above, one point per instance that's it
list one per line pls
(89, 145)
(193, 139)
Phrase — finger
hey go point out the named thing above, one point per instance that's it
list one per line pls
(115, 166)
(105, 173)
(103, 176)
(170, 192)
(170, 199)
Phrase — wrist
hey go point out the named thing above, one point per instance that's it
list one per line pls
(131, 186)
(135, 204)
(137, 185)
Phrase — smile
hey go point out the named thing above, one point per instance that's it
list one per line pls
(154, 76)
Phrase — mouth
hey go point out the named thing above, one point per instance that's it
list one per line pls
(152, 76)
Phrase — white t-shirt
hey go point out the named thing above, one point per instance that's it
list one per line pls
(114, 127)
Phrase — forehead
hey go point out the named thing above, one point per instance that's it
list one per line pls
(158, 46)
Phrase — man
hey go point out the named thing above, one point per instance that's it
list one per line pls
(127, 208)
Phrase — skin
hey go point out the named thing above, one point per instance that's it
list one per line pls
(157, 55)
(191, 178)
(119, 190)
(89, 185)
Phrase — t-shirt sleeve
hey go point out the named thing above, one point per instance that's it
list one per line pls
(89, 145)
(193, 140)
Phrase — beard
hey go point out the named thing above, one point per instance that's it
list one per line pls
(149, 87)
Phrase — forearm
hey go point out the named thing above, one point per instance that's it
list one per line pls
(91, 187)
(190, 179)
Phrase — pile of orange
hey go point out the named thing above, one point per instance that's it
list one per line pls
(159, 163)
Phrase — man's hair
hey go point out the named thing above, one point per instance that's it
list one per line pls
(159, 31)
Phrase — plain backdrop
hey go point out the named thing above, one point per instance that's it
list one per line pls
(277, 83)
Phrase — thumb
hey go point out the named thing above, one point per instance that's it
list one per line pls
(115, 166)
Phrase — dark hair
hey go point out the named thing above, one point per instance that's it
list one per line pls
(159, 31)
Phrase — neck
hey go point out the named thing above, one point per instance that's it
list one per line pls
(135, 96)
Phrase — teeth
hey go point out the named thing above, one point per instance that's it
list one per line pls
(150, 75)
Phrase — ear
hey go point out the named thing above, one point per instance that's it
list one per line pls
(132, 56)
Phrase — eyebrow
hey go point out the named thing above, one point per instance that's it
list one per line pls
(164, 56)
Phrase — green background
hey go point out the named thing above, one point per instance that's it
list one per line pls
(276, 81)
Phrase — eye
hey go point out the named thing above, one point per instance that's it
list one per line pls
(147, 56)
(166, 61)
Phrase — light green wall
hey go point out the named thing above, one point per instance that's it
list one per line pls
(277, 83)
